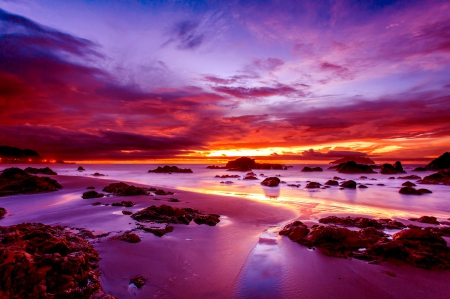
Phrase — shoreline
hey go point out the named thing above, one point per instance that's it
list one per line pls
(238, 258)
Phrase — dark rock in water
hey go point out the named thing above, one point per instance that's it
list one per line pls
(16, 181)
(309, 169)
(98, 174)
(381, 184)
(157, 231)
(173, 200)
(122, 189)
(420, 169)
(127, 212)
(80, 168)
(312, 185)
(349, 184)
(392, 169)
(423, 190)
(171, 169)
(409, 177)
(441, 177)
(271, 182)
(138, 281)
(226, 176)
(363, 177)
(294, 185)
(295, 231)
(362, 186)
(391, 224)
(162, 192)
(359, 160)
(127, 237)
(409, 191)
(123, 203)
(246, 164)
(92, 194)
(2, 212)
(41, 261)
(250, 177)
(353, 167)
(332, 183)
(97, 203)
(408, 184)
(440, 163)
(426, 219)
(392, 178)
(168, 214)
(90, 187)
(215, 167)
(45, 170)
(360, 222)
(337, 178)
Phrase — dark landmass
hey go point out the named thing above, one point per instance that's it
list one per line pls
(246, 164)
(420, 169)
(392, 169)
(442, 162)
(171, 169)
(352, 167)
(359, 160)
(45, 170)
(41, 261)
(441, 177)
(424, 248)
(16, 181)
(122, 189)
(271, 182)
(309, 169)
(92, 194)
(9, 154)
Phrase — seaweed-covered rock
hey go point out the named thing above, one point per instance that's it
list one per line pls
(92, 194)
(295, 231)
(127, 237)
(41, 261)
(168, 214)
(271, 182)
(171, 169)
(353, 167)
(16, 181)
(360, 222)
(46, 170)
(442, 162)
(122, 189)
(226, 176)
(250, 177)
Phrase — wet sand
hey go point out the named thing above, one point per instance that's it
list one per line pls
(242, 257)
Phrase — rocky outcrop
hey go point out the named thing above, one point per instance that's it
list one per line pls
(80, 168)
(392, 169)
(41, 261)
(420, 169)
(168, 214)
(138, 281)
(409, 177)
(271, 182)
(16, 181)
(353, 167)
(442, 162)
(246, 164)
(171, 169)
(413, 191)
(349, 184)
(332, 183)
(92, 194)
(309, 169)
(123, 203)
(408, 184)
(362, 222)
(313, 185)
(426, 219)
(418, 247)
(162, 192)
(46, 170)
(215, 167)
(359, 160)
(441, 177)
(226, 176)
(122, 189)
(127, 237)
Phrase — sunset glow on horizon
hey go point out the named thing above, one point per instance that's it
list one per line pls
(190, 81)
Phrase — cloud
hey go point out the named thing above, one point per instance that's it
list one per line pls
(258, 92)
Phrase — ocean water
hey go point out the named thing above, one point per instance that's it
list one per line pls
(375, 200)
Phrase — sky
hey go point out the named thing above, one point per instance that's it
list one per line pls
(190, 80)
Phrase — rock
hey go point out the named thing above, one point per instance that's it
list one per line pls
(413, 191)
(420, 169)
(442, 162)
(226, 176)
(157, 231)
(398, 166)
(332, 183)
(2, 212)
(362, 186)
(360, 222)
(295, 231)
(363, 177)
(392, 169)
(294, 185)
(271, 182)
(391, 224)
(246, 164)
(122, 189)
(353, 167)
(423, 190)
(250, 177)
(419, 235)
(127, 237)
(127, 212)
(227, 182)
(123, 203)
(381, 184)
(312, 185)
(41, 261)
(309, 169)
(171, 169)
(441, 177)
(168, 214)
(16, 181)
(98, 174)
(349, 184)
(92, 194)
(162, 192)
(409, 177)
(45, 170)
(173, 200)
(90, 187)
(392, 178)
(359, 160)
(426, 219)
(97, 203)
(215, 167)
(80, 168)
(408, 184)
(138, 281)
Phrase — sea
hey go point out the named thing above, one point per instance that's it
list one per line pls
(381, 198)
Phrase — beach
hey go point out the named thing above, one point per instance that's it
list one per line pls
(241, 257)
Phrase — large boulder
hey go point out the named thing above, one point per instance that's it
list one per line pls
(353, 167)
(311, 169)
(41, 261)
(171, 169)
(313, 185)
(349, 184)
(441, 177)
(442, 162)
(392, 169)
(45, 170)
(271, 182)
(122, 189)
(241, 164)
(16, 181)
(92, 194)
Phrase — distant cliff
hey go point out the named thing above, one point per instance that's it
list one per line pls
(9, 154)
